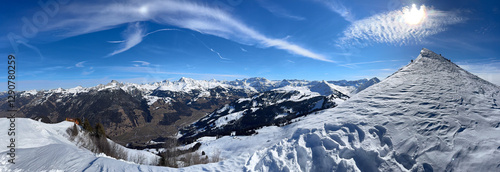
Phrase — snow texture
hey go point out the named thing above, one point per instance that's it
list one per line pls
(431, 115)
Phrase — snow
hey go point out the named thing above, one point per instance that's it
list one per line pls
(429, 115)
(318, 105)
(76, 90)
(28, 93)
(151, 99)
(280, 116)
(46, 147)
(230, 117)
(238, 148)
(304, 93)
(188, 84)
(226, 107)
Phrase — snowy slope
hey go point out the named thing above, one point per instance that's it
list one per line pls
(41, 146)
(46, 147)
(429, 116)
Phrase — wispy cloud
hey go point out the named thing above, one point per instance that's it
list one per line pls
(143, 63)
(211, 49)
(390, 28)
(81, 18)
(88, 71)
(339, 8)
(277, 10)
(355, 65)
(218, 54)
(80, 64)
(134, 35)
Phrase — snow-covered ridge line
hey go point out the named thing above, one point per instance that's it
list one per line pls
(255, 84)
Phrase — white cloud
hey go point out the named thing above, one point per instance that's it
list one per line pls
(218, 54)
(80, 64)
(391, 28)
(82, 18)
(143, 63)
(133, 36)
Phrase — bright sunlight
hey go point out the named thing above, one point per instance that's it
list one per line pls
(414, 16)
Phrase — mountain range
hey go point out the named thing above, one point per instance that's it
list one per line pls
(138, 113)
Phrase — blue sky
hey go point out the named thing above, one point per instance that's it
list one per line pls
(66, 43)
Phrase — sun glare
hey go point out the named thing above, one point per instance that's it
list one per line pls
(144, 9)
(414, 16)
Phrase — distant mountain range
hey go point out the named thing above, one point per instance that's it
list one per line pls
(137, 113)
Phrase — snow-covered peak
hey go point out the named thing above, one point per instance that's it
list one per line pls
(323, 88)
(188, 84)
(429, 54)
(78, 89)
(28, 93)
(113, 83)
(186, 80)
(256, 79)
(429, 116)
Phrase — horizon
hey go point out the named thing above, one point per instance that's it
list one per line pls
(67, 44)
(178, 80)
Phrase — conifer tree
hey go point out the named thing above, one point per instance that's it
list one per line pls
(87, 127)
(99, 129)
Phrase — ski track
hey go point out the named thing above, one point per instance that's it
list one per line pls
(90, 164)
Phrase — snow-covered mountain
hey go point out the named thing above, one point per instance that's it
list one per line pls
(153, 110)
(276, 107)
(251, 85)
(430, 115)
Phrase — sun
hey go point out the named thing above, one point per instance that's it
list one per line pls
(143, 9)
(414, 16)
